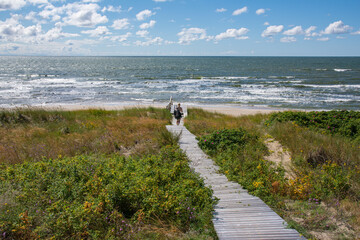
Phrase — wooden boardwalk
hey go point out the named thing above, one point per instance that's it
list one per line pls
(238, 215)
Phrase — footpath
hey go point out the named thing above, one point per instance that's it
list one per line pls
(238, 215)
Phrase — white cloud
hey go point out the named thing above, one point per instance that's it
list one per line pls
(188, 35)
(101, 30)
(120, 38)
(337, 28)
(141, 16)
(220, 10)
(142, 33)
(294, 31)
(288, 39)
(233, 33)
(11, 4)
(83, 15)
(52, 12)
(121, 24)
(154, 41)
(91, 1)
(272, 30)
(31, 16)
(260, 11)
(161, 0)
(309, 31)
(324, 39)
(266, 23)
(240, 11)
(356, 33)
(54, 34)
(111, 8)
(12, 31)
(148, 25)
(34, 2)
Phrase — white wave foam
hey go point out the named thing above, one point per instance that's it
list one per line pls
(341, 69)
(330, 86)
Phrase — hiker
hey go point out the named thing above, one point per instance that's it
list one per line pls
(178, 112)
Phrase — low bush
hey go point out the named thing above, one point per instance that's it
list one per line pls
(344, 123)
(99, 197)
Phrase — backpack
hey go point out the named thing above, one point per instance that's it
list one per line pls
(177, 113)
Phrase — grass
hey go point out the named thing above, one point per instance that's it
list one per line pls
(322, 201)
(97, 174)
(30, 135)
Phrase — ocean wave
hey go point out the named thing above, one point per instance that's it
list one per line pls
(341, 69)
(330, 86)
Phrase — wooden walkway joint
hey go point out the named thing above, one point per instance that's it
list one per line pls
(238, 215)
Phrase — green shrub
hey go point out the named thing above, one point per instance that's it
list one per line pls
(344, 123)
(98, 197)
(240, 156)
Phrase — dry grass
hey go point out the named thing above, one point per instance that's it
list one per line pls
(30, 135)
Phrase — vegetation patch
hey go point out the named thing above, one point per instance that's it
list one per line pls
(146, 191)
(344, 123)
(322, 200)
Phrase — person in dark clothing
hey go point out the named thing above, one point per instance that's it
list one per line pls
(178, 112)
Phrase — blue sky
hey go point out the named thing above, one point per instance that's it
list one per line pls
(180, 27)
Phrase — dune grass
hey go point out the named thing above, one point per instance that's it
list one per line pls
(97, 174)
(30, 135)
(323, 200)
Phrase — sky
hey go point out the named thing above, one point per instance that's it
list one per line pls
(180, 27)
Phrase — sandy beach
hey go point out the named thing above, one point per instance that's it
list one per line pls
(231, 109)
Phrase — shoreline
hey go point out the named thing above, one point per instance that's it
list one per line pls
(228, 109)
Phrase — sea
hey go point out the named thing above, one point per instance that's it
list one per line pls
(254, 82)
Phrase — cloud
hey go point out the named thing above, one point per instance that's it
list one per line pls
(121, 24)
(260, 11)
(188, 35)
(240, 11)
(53, 12)
(34, 2)
(12, 31)
(142, 33)
(111, 8)
(141, 16)
(272, 30)
(220, 10)
(120, 38)
(233, 33)
(309, 31)
(54, 34)
(356, 33)
(161, 0)
(294, 31)
(148, 25)
(11, 4)
(266, 23)
(91, 1)
(154, 41)
(77, 14)
(324, 39)
(288, 39)
(101, 30)
(337, 28)
(84, 15)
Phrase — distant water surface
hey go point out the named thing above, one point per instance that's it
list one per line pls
(280, 82)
